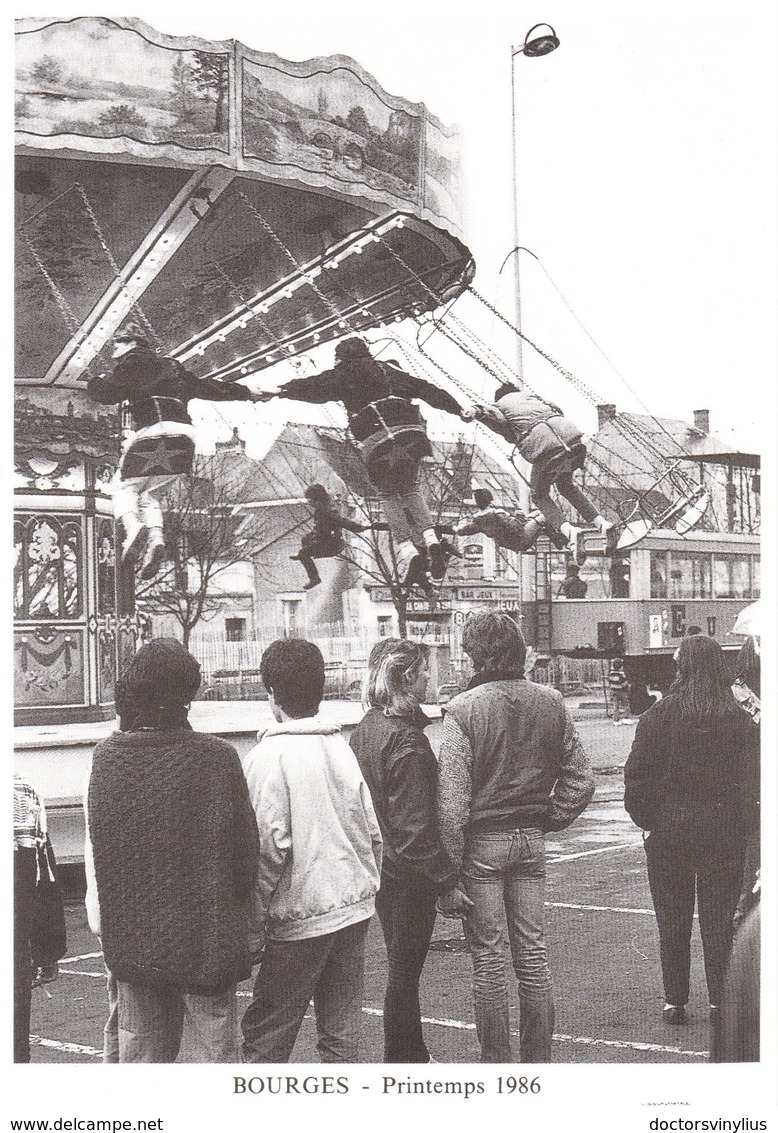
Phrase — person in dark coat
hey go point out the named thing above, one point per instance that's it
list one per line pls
(399, 767)
(39, 918)
(326, 539)
(161, 447)
(171, 856)
(392, 440)
(690, 780)
(573, 585)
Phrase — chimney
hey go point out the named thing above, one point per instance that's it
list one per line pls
(234, 444)
(702, 421)
(605, 413)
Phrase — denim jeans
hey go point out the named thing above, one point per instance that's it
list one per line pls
(153, 1021)
(328, 969)
(507, 871)
(407, 914)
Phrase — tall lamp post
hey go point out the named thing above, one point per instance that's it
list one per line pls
(532, 48)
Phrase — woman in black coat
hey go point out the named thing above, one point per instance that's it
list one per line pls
(401, 772)
(691, 779)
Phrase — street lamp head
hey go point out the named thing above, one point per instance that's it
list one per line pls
(541, 45)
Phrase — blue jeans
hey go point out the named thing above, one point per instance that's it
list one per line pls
(508, 871)
(328, 969)
(153, 1021)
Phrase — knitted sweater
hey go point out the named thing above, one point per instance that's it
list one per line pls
(175, 849)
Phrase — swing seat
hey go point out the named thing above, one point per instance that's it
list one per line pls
(633, 531)
(697, 506)
(688, 503)
(389, 429)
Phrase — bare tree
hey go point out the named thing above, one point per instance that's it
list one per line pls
(205, 535)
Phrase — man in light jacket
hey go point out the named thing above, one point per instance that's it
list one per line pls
(511, 769)
(320, 864)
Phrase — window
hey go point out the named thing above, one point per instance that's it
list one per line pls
(690, 576)
(659, 574)
(291, 617)
(235, 629)
(732, 576)
(47, 571)
(384, 625)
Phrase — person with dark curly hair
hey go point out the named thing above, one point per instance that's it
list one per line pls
(511, 769)
(690, 780)
(171, 856)
(319, 869)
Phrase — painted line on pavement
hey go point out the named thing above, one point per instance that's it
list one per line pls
(589, 853)
(583, 1040)
(86, 956)
(66, 1048)
(598, 908)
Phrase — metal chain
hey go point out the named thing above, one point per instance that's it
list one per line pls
(330, 303)
(67, 312)
(136, 307)
(625, 427)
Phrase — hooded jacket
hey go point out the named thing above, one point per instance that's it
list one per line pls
(320, 843)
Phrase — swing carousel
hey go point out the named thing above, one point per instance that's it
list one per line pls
(236, 207)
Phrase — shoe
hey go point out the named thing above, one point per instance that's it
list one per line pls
(155, 553)
(134, 535)
(311, 583)
(408, 557)
(437, 561)
(674, 1015)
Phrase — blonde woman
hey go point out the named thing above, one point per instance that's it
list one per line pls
(400, 769)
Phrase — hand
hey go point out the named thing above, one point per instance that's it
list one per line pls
(469, 412)
(261, 395)
(454, 903)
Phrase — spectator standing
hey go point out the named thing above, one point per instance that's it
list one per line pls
(401, 771)
(619, 690)
(171, 858)
(320, 864)
(689, 779)
(573, 585)
(511, 768)
(747, 688)
(39, 918)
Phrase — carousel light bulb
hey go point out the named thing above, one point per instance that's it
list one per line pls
(316, 337)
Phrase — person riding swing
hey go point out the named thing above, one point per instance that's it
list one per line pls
(161, 445)
(325, 541)
(554, 446)
(392, 439)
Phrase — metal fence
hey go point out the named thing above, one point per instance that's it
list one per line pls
(230, 669)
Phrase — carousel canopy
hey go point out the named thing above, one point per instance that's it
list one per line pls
(234, 206)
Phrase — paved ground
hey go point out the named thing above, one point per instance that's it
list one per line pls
(602, 944)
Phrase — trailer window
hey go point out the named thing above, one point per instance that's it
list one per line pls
(690, 576)
(659, 574)
(732, 576)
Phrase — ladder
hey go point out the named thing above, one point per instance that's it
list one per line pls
(543, 550)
